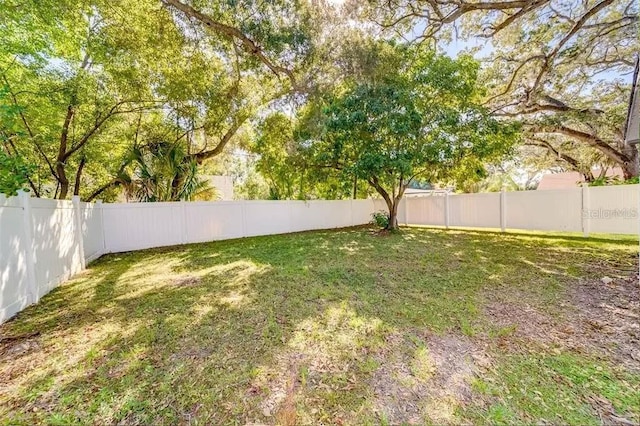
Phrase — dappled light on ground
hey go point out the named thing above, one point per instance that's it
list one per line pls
(335, 327)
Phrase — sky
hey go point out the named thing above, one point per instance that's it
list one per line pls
(456, 47)
(484, 49)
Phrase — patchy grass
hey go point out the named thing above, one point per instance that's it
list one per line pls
(337, 327)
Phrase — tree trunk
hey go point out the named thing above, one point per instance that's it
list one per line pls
(62, 152)
(63, 181)
(393, 216)
(76, 184)
(588, 176)
(355, 187)
(392, 201)
(630, 168)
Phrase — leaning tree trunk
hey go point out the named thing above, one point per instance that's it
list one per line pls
(393, 216)
(393, 204)
(630, 168)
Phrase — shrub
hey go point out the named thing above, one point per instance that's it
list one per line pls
(380, 218)
(613, 180)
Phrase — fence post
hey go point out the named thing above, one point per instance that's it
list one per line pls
(503, 210)
(183, 233)
(351, 207)
(405, 201)
(29, 247)
(77, 211)
(446, 210)
(100, 208)
(585, 209)
(243, 216)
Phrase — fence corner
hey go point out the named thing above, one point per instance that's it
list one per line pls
(77, 210)
(25, 203)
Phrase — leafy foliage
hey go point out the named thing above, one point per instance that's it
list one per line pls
(279, 161)
(380, 219)
(88, 77)
(14, 174)
(613, 180)
(88, 81)
(14, 169)
(416, 115)
(558, 67)
(162, 172)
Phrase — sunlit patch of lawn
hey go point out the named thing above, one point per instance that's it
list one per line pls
(343, 326)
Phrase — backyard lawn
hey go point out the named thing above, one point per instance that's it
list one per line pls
(337, 327)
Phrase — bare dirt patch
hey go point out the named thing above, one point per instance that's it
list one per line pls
(14, 346)
(280, 388)
(424, 379)
(608, 318)
(597, 317)
(186, 281)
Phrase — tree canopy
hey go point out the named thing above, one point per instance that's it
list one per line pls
(555, 66)
(415, 115)
(84, 86)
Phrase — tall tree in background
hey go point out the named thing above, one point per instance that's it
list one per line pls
(553, 65)
(415, 115)
(279, 161)
(86, 77)
(68, 77)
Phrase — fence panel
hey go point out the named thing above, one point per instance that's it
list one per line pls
(92, 236)
(337, 214)
(56, 243)
(210, 221)
(380, 205)
(361, 211)
(135, 226)
(613, 209)
(427, 210)
(475, 210)
(267, 217)
(548, 210)
(14, 280)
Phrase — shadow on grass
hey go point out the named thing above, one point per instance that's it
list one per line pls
(622, 239)
(191, 332)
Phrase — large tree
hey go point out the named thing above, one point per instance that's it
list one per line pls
(415, 115)
(68, 71)
(556, 66)
(86, 77)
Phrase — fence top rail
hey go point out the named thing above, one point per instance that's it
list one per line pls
(476, 195)
(545, 192)
(226, 202)
(625, 188)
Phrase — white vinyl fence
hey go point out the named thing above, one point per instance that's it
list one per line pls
(44, 242)
(606, 209)
(136, 226)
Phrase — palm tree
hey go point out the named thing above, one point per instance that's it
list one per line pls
(161, 171)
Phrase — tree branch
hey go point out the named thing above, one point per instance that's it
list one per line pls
(250, 46)
(591, 140)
